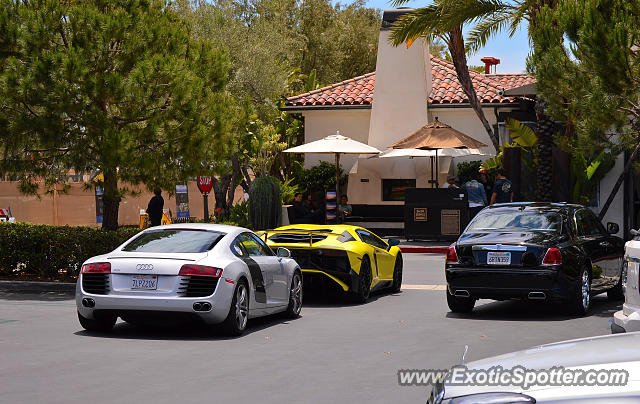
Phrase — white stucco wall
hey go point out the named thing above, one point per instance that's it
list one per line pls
(374, 170)
(353, 123)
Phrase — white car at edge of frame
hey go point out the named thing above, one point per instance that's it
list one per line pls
(213, 273)
(585, 358)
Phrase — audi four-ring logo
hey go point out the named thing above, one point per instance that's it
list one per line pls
(146, 267)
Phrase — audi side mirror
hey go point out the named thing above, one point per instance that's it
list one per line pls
(283, 252)
(612, 228)
(393, 241)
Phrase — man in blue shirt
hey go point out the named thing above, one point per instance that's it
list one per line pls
(503, 189)
(344, 209)
(476, 195)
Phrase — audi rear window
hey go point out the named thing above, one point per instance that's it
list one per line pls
(516, 220)
(174, 241)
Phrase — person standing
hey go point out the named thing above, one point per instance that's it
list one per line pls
(483, 178)
(476, 195)
(344, 209)
(451, 183)
(154, 209)
(303, 214)
(503, 189)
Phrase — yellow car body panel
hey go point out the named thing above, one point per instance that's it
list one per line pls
(309, 243)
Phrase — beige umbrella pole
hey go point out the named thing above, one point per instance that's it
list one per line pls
(437, 172)
(337, 177)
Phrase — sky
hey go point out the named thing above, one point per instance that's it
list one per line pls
(512, 52)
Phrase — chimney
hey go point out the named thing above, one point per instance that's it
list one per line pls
(488, 62)
(402, 88)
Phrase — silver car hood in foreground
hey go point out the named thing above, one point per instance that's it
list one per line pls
(577, 352)
(619, 351)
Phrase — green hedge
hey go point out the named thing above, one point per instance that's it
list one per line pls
(53, 252)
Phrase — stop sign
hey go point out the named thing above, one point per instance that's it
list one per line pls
(205, 184)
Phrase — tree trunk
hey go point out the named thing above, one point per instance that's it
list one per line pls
(220, 188)
(616, 187)
(240, 173)
(544, 131)
(456, 48)
(111, 200)
(231, 192)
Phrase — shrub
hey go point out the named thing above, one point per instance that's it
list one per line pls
(239, 214)
(265, 206)
(319, 178)
(288, 191)
(54, 252)
(466, 170)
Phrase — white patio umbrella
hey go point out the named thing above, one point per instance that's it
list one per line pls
(413, 153)
(337, 145)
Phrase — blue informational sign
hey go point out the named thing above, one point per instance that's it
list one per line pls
(182, 201)
(331, 205)
(99, 205)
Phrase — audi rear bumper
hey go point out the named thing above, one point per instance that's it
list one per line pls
(144, 301)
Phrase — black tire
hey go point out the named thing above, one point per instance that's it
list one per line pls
(460, 304)
(364, 281)
(396, 285)
(295, 296)
(616, 293)
(234, 324)
(102, 323)
(580, 302)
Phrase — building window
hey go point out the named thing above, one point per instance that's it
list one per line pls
(393, 189)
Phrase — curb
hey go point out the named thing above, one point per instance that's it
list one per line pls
(25, 286)
(428, 250)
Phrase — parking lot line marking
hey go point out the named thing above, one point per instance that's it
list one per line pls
(424, 287)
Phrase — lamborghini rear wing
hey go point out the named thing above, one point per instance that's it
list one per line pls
(295, 236)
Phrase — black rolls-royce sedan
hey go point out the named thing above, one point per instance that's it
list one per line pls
(536, 251)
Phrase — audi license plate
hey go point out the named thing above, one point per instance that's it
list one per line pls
(149, 282)
(499, 258)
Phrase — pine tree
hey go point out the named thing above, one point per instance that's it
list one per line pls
(588, 67)
(117, 87)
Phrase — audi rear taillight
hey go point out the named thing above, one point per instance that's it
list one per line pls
(96, 268)
(552, 257)
(200, 270)
(452, 256)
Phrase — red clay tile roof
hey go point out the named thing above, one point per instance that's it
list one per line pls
(446, 88)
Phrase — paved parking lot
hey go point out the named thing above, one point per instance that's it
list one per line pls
(336, 352)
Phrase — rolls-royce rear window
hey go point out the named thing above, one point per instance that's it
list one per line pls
(174, 241)
(516, 220)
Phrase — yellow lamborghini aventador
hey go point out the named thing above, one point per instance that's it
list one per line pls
(351, 257)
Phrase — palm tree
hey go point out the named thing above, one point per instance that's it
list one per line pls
(488, 18)
(432, 22)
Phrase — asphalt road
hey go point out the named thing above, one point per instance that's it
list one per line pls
(337, 352)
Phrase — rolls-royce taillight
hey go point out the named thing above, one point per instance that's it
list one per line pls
(552, 257)
(452, 256)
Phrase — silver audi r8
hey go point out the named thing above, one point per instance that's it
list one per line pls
(215, 273)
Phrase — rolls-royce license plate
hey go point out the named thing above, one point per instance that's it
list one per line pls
(498, 258)
(148, 282)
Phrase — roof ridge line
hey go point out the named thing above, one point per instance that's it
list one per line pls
(332, 85)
